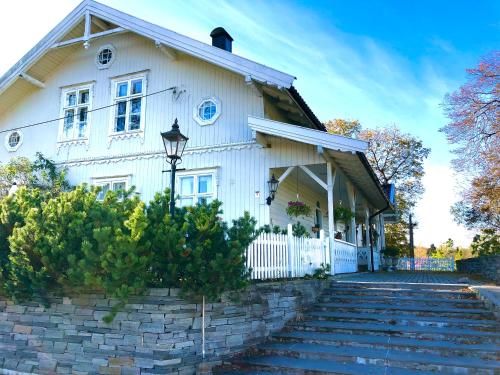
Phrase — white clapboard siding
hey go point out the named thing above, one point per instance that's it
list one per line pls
(277, 256)
(345, 257)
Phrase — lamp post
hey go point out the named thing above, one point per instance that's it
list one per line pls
(13, 189)
(273, 187)
(174, 142)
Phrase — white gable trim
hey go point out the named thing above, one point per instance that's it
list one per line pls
(305, 135)
(214, 55)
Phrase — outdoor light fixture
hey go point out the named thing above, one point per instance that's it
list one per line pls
(13, 189)
(273, 187)
(174, 142)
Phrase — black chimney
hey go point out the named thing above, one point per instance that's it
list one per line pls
(221, 39)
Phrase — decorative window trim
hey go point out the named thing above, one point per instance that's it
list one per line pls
(218, 110)
(127, 133)
(111, 181)
(19, 143)
(111, 61)
(196, 173)
(61, 140)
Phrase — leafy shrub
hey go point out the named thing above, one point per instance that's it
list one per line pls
(486, 243)
(214, 252)
(118, 245)
(321, 273)
(298, 230)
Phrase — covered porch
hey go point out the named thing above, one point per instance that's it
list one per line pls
(344, 198)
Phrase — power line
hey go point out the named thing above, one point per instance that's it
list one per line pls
(90, 110)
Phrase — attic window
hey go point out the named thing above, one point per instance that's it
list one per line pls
(13, 140)
(105, 56)
(208, 111)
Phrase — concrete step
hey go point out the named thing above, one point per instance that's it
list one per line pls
(414, 308)
(406, 319)
(402, 286)
(401, 300)
(318, 366)
(338, 290)
(430, 333)
(487, 351)
(381, 357)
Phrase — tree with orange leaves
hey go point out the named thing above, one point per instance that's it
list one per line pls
(474, 130)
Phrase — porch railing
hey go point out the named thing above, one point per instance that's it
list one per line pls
(275, 256)
(345, 257)
(426, 264)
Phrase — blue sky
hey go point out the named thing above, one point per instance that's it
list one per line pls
(382, 62)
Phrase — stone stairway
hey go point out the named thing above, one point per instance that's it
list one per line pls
(382, 328)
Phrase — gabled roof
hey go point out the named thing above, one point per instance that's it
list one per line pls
(347, 153)
(250, 69)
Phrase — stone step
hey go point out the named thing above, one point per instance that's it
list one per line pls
(486, 351)
(401, 292)
(399, 300)
(415, 308)
(406, 319)
(405, 286)
(445, 333)
(381, 357)
(318, 366)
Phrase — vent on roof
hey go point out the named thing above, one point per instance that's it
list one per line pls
(221, 39)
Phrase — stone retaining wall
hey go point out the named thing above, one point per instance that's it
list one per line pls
(157, 333)
(487, 266)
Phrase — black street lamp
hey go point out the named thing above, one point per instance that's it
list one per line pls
(273, 187)
(174, 142)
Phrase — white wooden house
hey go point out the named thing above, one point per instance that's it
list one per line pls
(95, 93)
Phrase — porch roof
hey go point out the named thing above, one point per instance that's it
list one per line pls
(346, 153)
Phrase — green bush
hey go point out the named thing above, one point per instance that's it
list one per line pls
(215, 254)
(118, 245)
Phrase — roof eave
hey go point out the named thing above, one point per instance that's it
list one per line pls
(211, 54)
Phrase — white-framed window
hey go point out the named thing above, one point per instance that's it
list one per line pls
(105, 56)
(207, 111)
(196, 186)
(119, 183)
(13, 140)
(129, 104)
(76, 102)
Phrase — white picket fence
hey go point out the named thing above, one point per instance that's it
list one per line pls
(345, 257)
(426, 264)
(276, 256)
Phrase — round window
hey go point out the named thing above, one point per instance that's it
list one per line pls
(13, 140)
(105, 56)
(207, 111)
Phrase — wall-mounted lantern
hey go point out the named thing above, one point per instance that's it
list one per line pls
(174, 142)
(273, 187)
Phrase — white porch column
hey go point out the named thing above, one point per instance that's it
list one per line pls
(367, 238)
(377, 228)
(330, 181)
(367, 226)
(351, 193)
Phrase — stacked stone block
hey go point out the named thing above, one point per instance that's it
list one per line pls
(487, 266)
(156, 333)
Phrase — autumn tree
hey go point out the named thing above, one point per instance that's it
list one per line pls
(397, 158)
(474, 130)
(346, 128)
